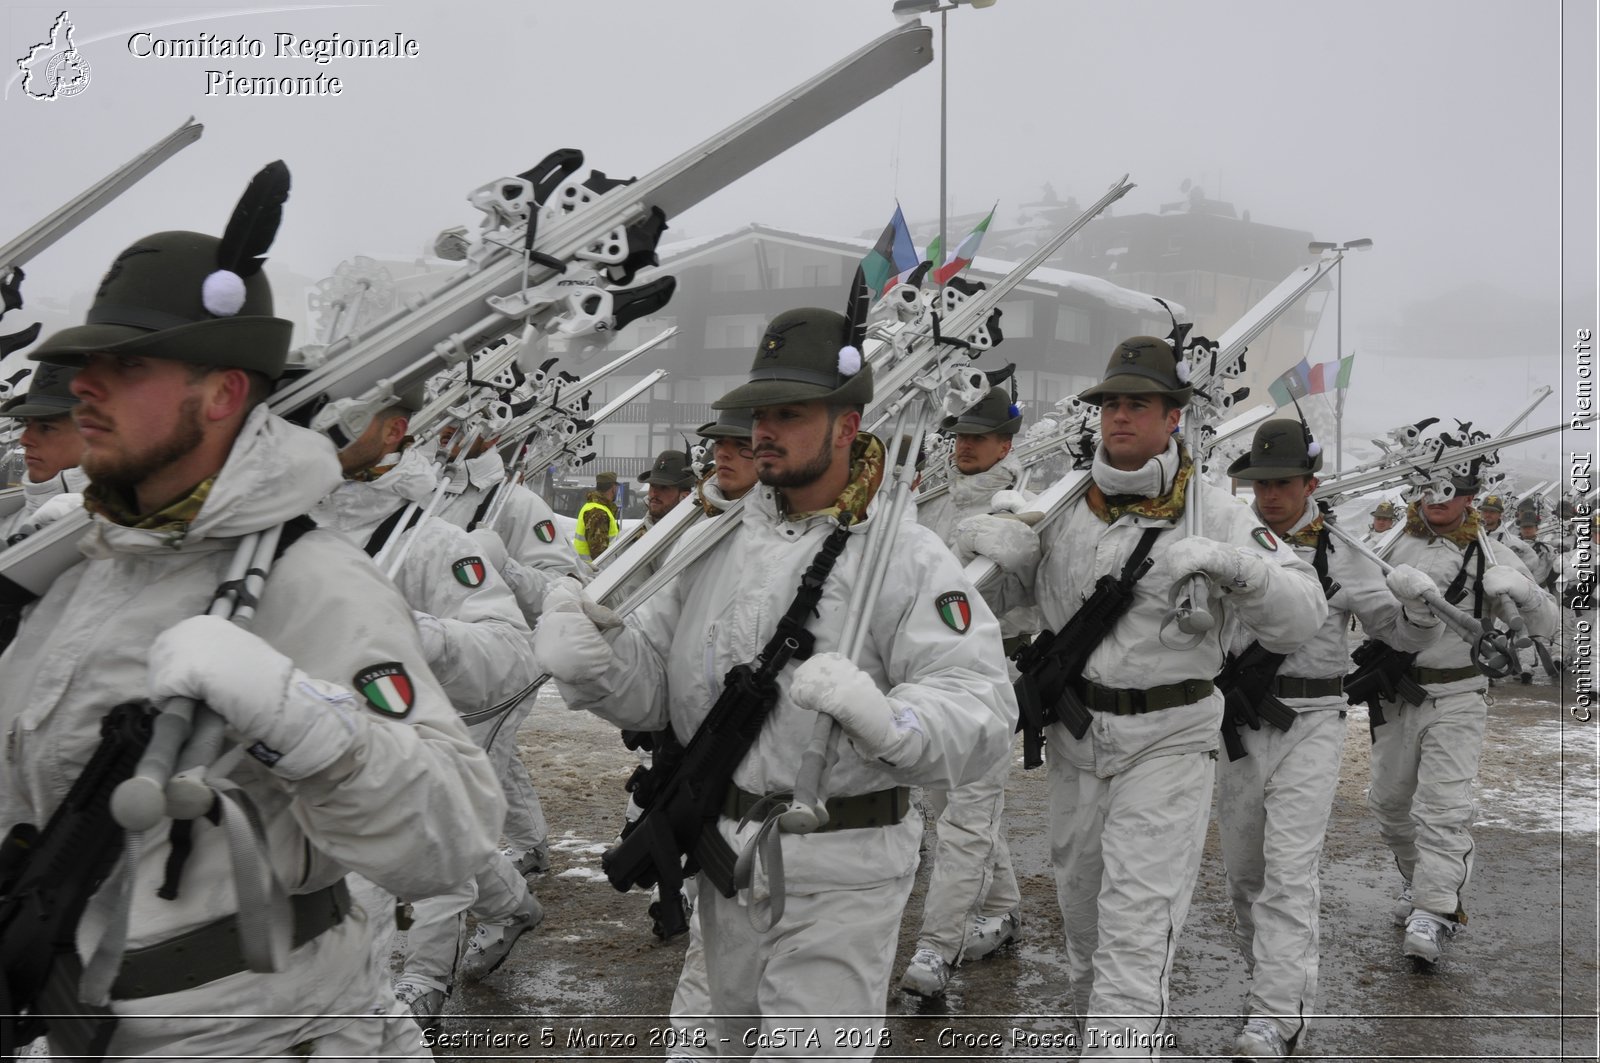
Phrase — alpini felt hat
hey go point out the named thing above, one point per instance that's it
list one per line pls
(672, 468)
(49, 394)
(1142, 365)
(1281, 450)
(805, 355)
(995, 413)
(730, 424)
(189, 297)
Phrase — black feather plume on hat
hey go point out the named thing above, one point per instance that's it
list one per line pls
(255, 221)
(856, 309)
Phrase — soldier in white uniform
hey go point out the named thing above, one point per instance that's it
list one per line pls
(1425, 757)
(1384, 514)
(530, 554)
(51, 448)
(482, 652)
(973, 904)
(1130, 799)
(356, 761)
(927, 705)
(1275, 787)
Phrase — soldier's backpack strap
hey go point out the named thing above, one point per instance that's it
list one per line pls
(1319, 561)
(1458, 586)
(381, 534)
(483, 507)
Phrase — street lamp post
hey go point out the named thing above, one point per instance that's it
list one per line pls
(1317, 247)
(913, 8)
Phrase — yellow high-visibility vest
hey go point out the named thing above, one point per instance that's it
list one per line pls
(579, 541)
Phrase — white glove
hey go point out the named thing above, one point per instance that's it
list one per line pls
(829, 683)
(52, 510)
(1009, 502)
(294, 724)
(431, 630)
(491, 546)
(568, 643)
(1408, 585)
(1233, 568)
(1503, 579)
(1008, 542)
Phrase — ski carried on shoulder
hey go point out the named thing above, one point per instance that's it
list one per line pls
(541, 226)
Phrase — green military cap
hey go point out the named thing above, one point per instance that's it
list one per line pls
(49, 394)
(413, 398)
(730, 424)
(603, 480)
(1142, 365)
(671, 469)
(1281, 450)
(188, 297)
(1386, 511)
(806, 355)
(995, 413)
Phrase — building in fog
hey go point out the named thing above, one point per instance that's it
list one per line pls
(1057, 326)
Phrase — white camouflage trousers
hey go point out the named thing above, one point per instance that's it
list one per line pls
(525, 826)
(1126, 852)
(1424, 761)
(972, 872)
(1272, 810)
(816, 985)
(493, 895)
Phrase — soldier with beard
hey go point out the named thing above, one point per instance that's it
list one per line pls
(928, 703)
(356, 761)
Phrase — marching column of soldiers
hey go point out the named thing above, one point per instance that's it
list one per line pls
(373, 702)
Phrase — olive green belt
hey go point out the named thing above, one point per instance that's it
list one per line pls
(1292, 686)
(881, 808)
(1430, 676)
(212, 951)
(1134, 702)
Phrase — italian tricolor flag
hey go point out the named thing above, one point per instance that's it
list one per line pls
(964, 253)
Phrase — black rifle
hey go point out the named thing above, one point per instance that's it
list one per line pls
(1246, 685)
(48, 876)
(676, 835)
(1052, 666)
(1380, 676)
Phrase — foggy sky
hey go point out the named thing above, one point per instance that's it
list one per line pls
(1431, 126)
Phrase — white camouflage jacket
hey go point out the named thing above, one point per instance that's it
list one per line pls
(1442, 559)
(1362, 592)
(1078, 548)
(35, 495)
(969, 496)
(487, 651)
(412, 783)
(933, 647)
(536, 550)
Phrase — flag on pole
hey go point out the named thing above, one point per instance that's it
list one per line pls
(892, 257)
(1294, 384)
(963, 255)
(1330, 376)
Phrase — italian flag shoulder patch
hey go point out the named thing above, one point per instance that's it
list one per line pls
(469, 571)
(387, 688)
(955, 611)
